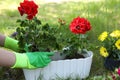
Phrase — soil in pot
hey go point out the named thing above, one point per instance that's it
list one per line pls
(75, 56)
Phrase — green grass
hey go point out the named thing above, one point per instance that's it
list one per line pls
(103, 15)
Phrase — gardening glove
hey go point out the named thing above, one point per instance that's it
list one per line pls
(11, 43)
(32, 60)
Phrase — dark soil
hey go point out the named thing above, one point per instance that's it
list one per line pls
(11, 74)
(76, 56)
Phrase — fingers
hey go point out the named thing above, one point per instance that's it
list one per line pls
(45, 61)
(49, 53)
(48, 60)
(39, 59)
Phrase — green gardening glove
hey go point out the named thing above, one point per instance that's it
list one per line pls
(32, 60)
(11, 43)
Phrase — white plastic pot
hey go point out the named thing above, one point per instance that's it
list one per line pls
(62, 68)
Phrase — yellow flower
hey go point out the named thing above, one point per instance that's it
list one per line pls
(115, 33)
(117, 44)
(103, 36)
(103, 52)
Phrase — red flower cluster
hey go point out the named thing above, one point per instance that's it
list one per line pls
(29, 8)
(80, 25)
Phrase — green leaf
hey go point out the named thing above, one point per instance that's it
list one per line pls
(19, 20)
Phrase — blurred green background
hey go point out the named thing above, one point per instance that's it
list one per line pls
(104, 15)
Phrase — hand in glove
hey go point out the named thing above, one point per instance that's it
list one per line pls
(11, 43)
(32, 60)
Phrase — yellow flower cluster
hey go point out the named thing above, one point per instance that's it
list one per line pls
(113, 42)
(115, 34)
(117, 44)
(103, 52)
(103, 36)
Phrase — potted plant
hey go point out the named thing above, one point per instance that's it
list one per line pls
(110, 48)
(31, 32)
(71, 44)
(76, 61)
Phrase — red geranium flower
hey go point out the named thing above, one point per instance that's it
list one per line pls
(80, 25)
(29, 8)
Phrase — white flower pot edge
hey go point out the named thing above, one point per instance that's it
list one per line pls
(59, 68)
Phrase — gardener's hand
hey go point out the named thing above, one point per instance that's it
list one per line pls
(32, 60)
(11, 43)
